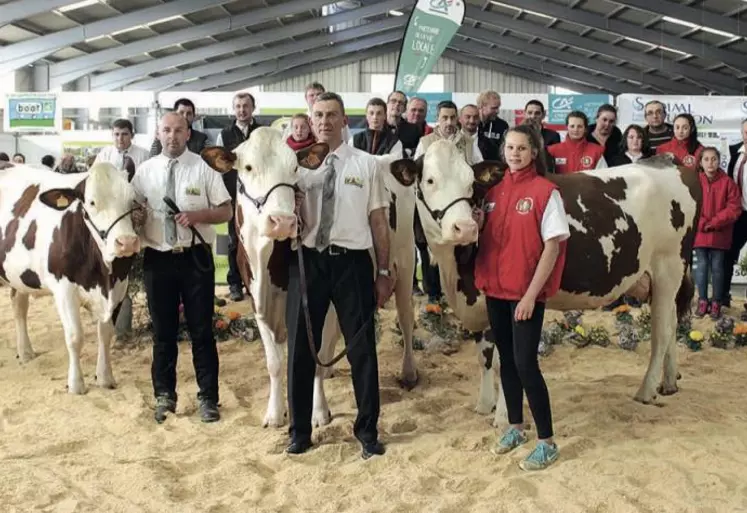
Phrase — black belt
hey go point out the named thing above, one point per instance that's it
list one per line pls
(180, 249)
(335, 250)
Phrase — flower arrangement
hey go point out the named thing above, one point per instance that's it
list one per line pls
(232, 325)
(722, 335)
(572, 318)
(578, 337)
(644, 323)
(598, 336)
(628, 338)
(740, 335)
(694, 340)
(683, 328)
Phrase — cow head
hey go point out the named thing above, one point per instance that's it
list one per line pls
(106, 199)
(446, 190)
(267, 177)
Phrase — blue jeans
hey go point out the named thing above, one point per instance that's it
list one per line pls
(710, 261)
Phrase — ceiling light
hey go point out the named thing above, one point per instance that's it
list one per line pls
(396, 13)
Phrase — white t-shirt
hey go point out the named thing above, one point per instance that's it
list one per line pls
(197, 187)
(554, 219)
(359, 190)
(115, 157)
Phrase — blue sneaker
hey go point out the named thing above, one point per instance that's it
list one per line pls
(541, 457)
(510, 440)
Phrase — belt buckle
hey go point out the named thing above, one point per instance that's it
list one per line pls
(178, 249)
(333, 251)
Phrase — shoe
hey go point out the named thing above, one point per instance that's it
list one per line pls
(541, 457)
(164, 406)
(298, 446)
(511, 439)
(372, 449)
(209, 410)
(715, 310)
(236, 293)
(702, 308)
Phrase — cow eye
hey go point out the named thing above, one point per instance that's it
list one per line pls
(429, 181)
(248, 167)
(92, 203)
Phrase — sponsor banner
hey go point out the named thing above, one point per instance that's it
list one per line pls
(711, 113)
(31, 112)
(560, 105)
(431, 27)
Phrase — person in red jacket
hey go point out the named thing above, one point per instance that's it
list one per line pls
(684, 146)
(301, 135)
(577, 153)
(518, 266)
(722, 206)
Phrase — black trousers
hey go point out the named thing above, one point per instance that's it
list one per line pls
(517, 343)
(347, 281)
(170, 277)
(738, 240)
(431, 274)
(233, 277)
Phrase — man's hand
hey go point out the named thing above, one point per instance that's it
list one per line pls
(384, 289)
(187, 219)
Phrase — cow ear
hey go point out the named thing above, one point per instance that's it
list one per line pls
(59, 199)
(219, 158)
(129, 166)
(407, 171)
(487, 174)
(5, 164)
(313, 156)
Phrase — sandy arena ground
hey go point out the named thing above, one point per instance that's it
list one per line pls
(102, 452)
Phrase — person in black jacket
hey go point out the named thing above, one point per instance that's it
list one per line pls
(492, 128)
(377, 138)
(634, 146)
(197, 141)
(535, 110)
(230, 137)
(605, 132)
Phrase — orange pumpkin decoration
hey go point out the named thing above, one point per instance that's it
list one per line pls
(234, 316)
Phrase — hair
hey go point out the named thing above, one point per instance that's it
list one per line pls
(122, 124)
(242, 96)
(47, 160)
(417, 99)
(4, 157)
(376, 102)
(535, 141)
(446, 104)
(606, 108)
(692, 139)
(303, 116)
(469, 105)
(579, 115)
(20, 155)
(535, 102)
(187, 103)
(645, 146)
(396, 92)
(330, 96)
(316, 86)
(484, 96)
(708, 148)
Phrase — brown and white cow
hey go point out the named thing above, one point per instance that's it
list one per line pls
(266, 224)
(630, 226)
(70, 236)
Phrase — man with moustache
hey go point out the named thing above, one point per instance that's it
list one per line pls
(657, 129)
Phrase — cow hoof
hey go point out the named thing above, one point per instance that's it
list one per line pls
(107, 383)
(26, 356)
(76, 388)
(321, 418)
(667, 389)
(644, 400)
(408, 382)
(484, 408)
(679, 375)
(273, 419)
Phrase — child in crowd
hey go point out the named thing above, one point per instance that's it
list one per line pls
(722, 205)
(684, 145)
(301, 135)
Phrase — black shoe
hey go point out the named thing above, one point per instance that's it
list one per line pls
(372, 449)
(236, 293)
(298, 446)
(164, 405)
(209, 410)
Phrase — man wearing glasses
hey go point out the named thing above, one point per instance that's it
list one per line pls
(657, 130)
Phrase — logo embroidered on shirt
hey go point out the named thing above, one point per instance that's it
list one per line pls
(586, 161)
(689, 161)
(192, 191)
(489, 207)
(524, 206)
(561, 161)
(354, 180)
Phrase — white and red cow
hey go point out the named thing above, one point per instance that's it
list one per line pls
(70, 236)
(630, 226)
(266, 223)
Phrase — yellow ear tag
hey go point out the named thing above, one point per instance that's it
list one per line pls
(62, 202)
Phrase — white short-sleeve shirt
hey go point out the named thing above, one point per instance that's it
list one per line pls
(115, 157)
(359, 190)
(197, 187)
(554, 220)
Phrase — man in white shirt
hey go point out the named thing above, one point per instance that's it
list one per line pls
(122, 132)
(344, 210)
(312, 91)
(177, 265)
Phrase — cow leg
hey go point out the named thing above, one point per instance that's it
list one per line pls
(668, 384)
(406, 317)
(667, 278)
(20, 314)
(275, 356)
(104, 375)
(320, 412)
(487, 356)
(68, 307)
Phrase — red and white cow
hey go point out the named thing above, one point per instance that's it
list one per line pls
(632, 229)
(70, 236)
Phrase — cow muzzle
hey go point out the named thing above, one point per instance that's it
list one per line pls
(127, 245)
(461, 233)
(280, 227)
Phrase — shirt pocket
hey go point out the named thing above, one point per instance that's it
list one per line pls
(193, 197)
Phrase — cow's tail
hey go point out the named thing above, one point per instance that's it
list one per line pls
(685, 294)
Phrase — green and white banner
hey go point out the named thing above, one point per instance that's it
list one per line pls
(431, 26)
(31, 112)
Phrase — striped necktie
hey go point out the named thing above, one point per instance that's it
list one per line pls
(328, 205)
(169, 223)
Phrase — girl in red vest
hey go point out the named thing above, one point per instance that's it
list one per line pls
(722, 206)
(684, 145)
(519, 264)
(301, 135)
(577, 153)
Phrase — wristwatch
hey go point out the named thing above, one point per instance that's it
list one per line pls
(384, 272)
